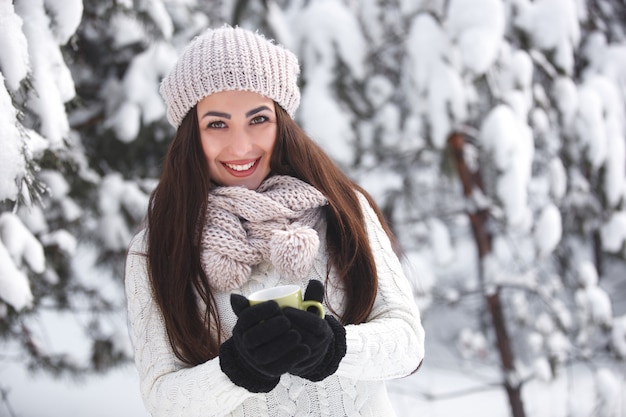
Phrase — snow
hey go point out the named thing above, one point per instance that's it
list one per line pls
(58, 190)
(446, 102)
(57, 185)
(65, 17)
(156, 9)
(427, 46)
(558, 178)
(548, 230)
(558, 347)
(143, 77)
(495, 138)
(51, 78)
(552, 25)
(115, 194)
(423, 279)
(439, 90)
(14, 285)
(116, 394)
(594, 304)
(530, 133)
(587, 275)
(477, 29)
(17, 246)
(63, 239)
(613, 232)
(614, 122)
(542, 370)
(126, 121)
(590, 126)
(443, 249)
(20, 243)
(12, 164)
(14, 60)
(136, 101)
(33, 218)
(324, 120)
(472, 344)
(618, 335)
(379, 90)
(126, 30)
(566, 97)
(334, 25)
(444, 386)
(380, 181)
(509, 141)
(320, 113)
(608, 389)
(278, 21)
(605, 59)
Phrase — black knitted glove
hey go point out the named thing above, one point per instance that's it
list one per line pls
(326, 338)
(262, 348)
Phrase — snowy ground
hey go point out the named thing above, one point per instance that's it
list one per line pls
(117, 394)
(445, 386)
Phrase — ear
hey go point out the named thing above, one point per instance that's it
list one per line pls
(314, 291)
(238, 303)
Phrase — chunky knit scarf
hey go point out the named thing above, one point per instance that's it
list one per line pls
(273, 223)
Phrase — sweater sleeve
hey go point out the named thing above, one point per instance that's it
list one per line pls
(168, 386)
(390, 344)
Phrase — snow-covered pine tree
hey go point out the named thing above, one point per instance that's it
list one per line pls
(83, 133)
(39, 216)
(537, 91)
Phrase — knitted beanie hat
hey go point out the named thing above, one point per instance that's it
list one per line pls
(230, 58)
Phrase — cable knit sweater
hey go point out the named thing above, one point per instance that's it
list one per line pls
(389, 345)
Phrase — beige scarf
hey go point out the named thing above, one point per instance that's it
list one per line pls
(273, 223)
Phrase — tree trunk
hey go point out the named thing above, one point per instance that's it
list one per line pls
(478, 218)
(597, 253)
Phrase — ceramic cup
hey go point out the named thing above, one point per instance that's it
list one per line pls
(286, 296)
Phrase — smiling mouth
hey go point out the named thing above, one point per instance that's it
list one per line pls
(241, 167)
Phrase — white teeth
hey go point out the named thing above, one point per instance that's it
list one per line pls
(241, 167)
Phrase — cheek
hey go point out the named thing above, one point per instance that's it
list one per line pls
(210, 154)
(270, 141)
(208, 148)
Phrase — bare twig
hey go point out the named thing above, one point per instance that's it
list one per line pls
(4, 397)
(478, 220)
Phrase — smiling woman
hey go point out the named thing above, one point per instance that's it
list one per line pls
(238, 133)
(248, 201)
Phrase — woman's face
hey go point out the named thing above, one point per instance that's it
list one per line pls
(238, 133)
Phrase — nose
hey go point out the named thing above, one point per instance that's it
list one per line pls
(240, 142)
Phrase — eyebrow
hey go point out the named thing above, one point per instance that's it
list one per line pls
(256, 110)
(216, 114)
(227, 116)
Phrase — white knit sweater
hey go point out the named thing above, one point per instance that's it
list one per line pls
(389, 345)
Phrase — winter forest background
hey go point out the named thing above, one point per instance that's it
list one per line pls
(492, 132)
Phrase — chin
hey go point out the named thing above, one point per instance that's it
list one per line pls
(249, 184)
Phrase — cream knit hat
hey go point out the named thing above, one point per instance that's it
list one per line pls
(230, 58)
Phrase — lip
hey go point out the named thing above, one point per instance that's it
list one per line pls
(239, 173)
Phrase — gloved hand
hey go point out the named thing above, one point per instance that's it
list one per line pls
(326, 338)
(263, 346)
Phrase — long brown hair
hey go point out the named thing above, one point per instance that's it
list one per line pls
(177, 208)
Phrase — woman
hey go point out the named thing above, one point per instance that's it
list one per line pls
(248, 201)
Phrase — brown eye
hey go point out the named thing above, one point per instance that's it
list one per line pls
(218, 124)
(259, 119)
